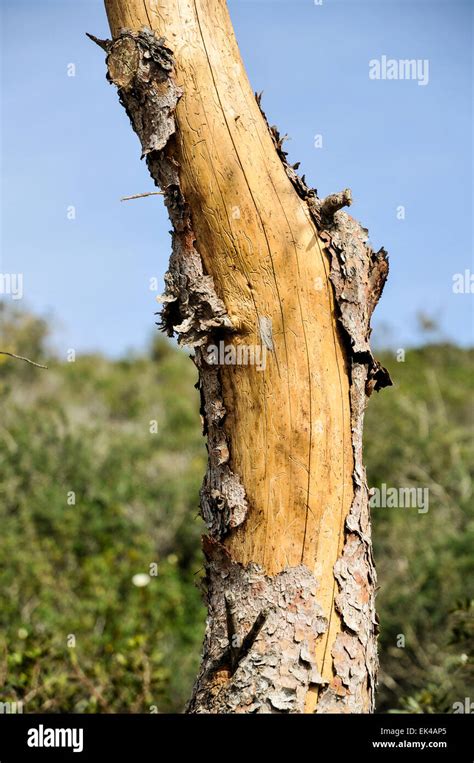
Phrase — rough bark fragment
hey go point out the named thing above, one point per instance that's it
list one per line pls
(275, 674)
(358, 275)
(223, 501)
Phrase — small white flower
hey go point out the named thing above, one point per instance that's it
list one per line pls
(141, 580)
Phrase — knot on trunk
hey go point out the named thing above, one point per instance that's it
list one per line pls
(325, 209)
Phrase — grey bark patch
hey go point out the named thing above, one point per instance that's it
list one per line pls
(358, 276)
(140, 65)
(275, 675)
(223, 499)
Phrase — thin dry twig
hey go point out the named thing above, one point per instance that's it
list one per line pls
(86, 681)
(20, 357)
(142, 195)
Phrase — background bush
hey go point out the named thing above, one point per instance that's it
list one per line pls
(78, 634)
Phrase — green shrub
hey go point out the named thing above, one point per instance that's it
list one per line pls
(102, 462)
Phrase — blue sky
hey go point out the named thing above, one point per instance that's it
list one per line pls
(66, 141)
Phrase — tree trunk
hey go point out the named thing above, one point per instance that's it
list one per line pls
(273, 288)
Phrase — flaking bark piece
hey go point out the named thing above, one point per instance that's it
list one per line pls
(142, 68)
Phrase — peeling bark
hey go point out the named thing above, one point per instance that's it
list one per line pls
(358, 276)
(271, 622)
(141, 67)
(223, 500)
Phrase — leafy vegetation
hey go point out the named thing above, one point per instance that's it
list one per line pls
(419, 434)
(102, 460)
